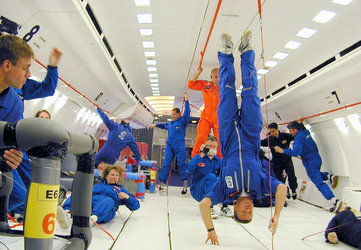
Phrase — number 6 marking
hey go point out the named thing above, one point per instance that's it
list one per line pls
(49, 221)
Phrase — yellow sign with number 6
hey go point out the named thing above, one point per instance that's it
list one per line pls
(41, 211)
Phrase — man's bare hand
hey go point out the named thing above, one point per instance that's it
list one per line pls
(152, 126)
(278, 149)
(186, 96)
(212, 236)
(273, 224)
(13, 158)
(332, 237)
(54, 57)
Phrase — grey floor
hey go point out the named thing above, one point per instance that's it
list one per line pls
(151, 228)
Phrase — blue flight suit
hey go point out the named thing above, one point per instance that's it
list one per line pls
(120, 136)
(306, 147)
(350, 232)
(105, 201)
(239, 133)
(11, 110)
(205, 172)
(265, 201)
(175, 145)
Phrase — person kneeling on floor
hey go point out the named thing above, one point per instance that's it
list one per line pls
(107, 197)
(205, 168)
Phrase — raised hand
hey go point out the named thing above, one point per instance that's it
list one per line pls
(54, 57)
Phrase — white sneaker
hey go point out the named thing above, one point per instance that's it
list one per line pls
(213, 213)
(226, 44)
(63, 217)
(246, 42)
(162, 188)
(332, 180)
(93, 218)
(335, 206)
(226, 211)
(184, 192)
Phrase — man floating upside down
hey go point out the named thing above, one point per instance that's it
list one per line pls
(242, 178)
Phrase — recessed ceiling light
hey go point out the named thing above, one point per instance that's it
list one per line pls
(146, 32)
(280, 55)
(262, 71)
(292, 45)
(154, 102)
(306, 32)
(149, 53)
(270, 64)
(144, 18)
(154, 84)
(148, 44)
(151, 62)
(342, 2)
(153, 80)
(153, 75)
(142, 2)
(324, 16)
(156, 94)
(151, 69)
(155, 88)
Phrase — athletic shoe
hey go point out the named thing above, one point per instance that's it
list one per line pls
(226, 44)
(246, 42)
(63, 217)
(225, 211)
(332, 179)
(294, 195)
(162, 187)
(336, 206)
(184, 191)
(213, 213)
(288, 193)
(93, 218)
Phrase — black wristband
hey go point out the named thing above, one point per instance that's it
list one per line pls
(210, 230)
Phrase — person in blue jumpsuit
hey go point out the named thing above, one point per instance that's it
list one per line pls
(205, 168)
(305, 147)
(15, 61)
(348, 228)
(120, 136)
(266, 166)
(242, 178)
(107, 197)
(175, 145)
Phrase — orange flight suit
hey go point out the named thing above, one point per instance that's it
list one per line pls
(209, 118)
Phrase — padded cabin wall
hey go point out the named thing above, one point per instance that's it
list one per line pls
(340, 150)
(66, 115)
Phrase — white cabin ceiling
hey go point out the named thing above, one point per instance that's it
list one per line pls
(176, 24)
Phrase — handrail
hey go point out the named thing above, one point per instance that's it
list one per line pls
(323, 113)
(210, 32)
(73, 88)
